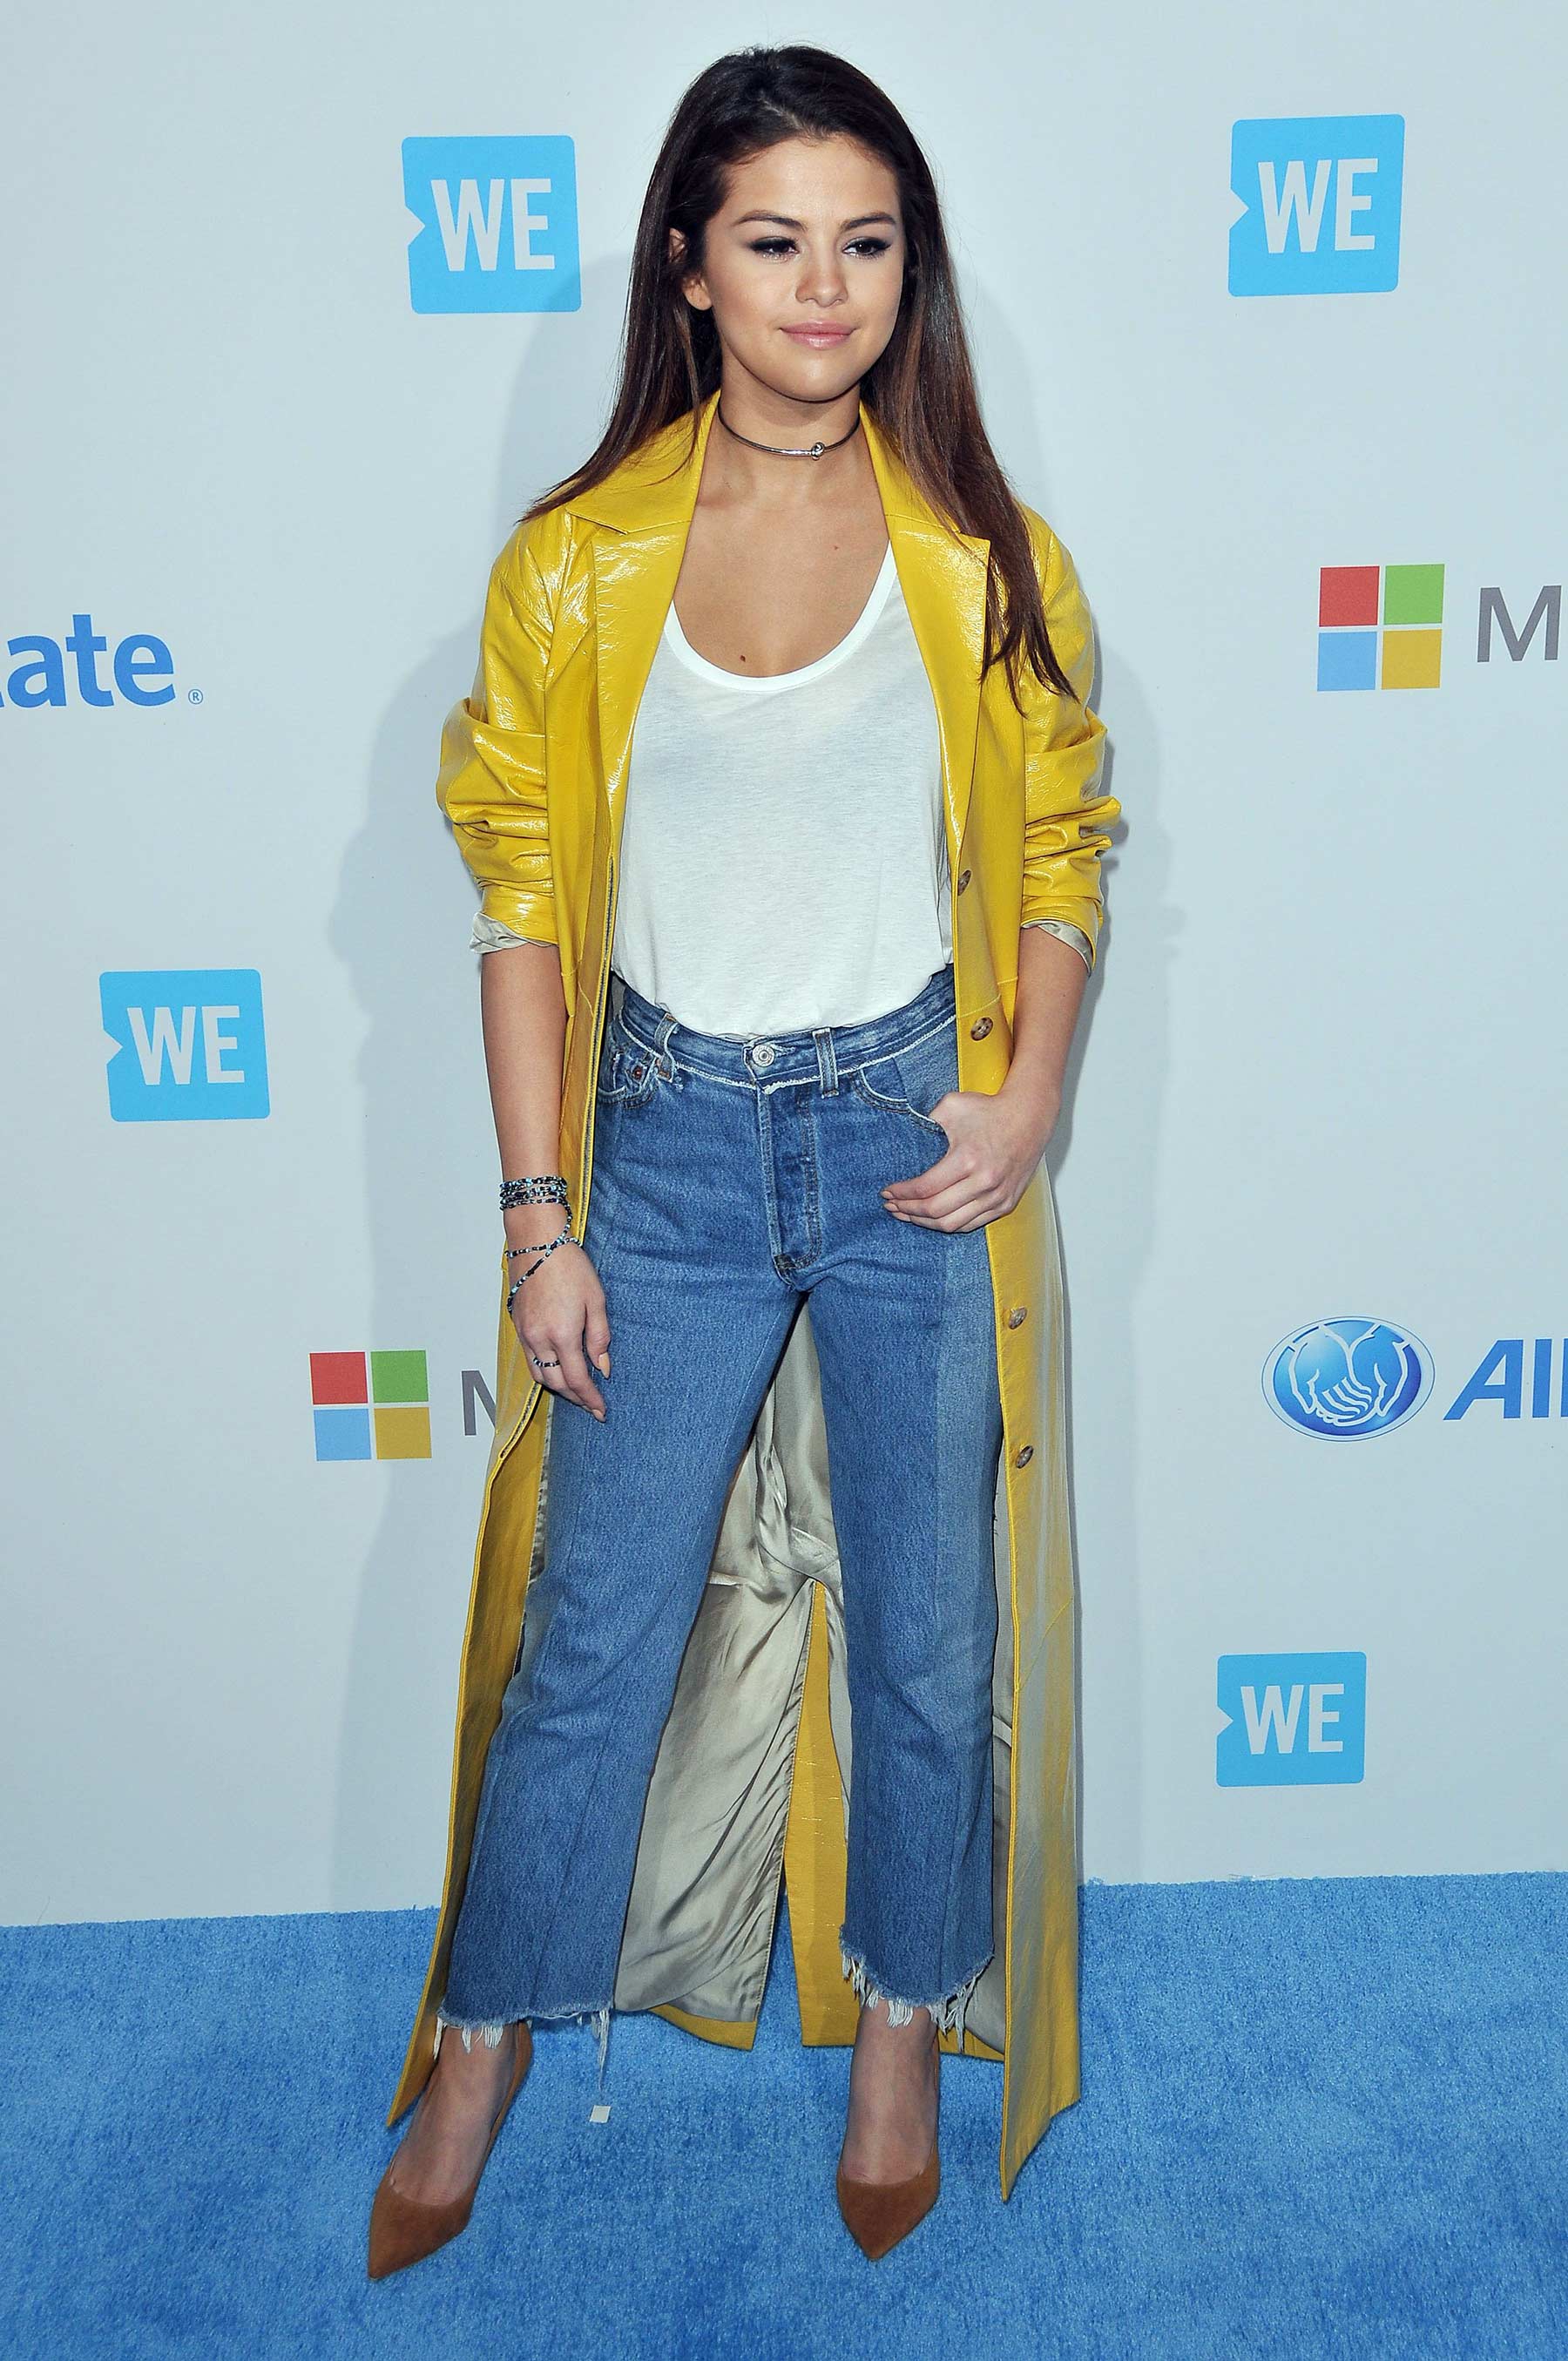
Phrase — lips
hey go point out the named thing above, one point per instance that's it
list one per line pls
(820, 336)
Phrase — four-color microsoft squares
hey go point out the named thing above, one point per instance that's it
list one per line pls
(1379, 626)
(376, 1411)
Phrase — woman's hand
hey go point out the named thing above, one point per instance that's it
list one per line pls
(994, 1143)
(559, 1316)
(995, 1140)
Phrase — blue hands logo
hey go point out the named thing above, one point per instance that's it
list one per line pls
(1347, 1378)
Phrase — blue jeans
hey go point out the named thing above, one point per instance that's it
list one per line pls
(731, 1177)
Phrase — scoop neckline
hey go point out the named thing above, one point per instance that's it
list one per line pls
(767, 683)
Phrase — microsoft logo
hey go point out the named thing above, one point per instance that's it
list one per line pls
(370, 1405)
(1379, 626)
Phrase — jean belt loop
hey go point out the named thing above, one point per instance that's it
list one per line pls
(827, 1061)
(663, 1031)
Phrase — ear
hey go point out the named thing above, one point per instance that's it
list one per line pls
(693, 286)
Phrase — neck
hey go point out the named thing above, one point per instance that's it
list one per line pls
(735, 470)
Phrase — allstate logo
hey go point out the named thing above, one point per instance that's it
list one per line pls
(1347, 1378)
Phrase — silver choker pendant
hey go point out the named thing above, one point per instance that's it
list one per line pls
(779, 450)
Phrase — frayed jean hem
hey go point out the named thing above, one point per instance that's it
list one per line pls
(491, 2028)
(947, 2012)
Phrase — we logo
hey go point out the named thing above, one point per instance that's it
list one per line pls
(187, 1044)
(1317, 204)
(494, 225)
(1293, 1721)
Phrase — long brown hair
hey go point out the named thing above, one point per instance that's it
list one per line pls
(920, 389)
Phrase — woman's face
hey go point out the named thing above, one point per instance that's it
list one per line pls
(804, 267)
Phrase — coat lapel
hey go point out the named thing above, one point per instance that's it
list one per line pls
(942, 573)
(647, 503)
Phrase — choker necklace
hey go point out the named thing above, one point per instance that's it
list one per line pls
(811, 451)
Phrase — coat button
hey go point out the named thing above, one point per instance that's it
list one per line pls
(1018, 1316)
(963, 879)
(978, 1032)
(1023, 1457)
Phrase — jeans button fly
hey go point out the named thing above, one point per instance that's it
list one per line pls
(763, 1054)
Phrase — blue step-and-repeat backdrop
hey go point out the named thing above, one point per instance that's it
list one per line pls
(306, 304)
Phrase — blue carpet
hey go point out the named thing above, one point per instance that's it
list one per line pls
(1320, 2117)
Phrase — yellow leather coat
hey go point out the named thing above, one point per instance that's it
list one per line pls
(747, 1786)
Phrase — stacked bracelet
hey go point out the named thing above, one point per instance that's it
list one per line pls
(535, 1189)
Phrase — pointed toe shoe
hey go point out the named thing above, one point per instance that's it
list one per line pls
(402, 2229)
(878, 2213)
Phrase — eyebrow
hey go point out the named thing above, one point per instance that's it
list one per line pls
(859, 221)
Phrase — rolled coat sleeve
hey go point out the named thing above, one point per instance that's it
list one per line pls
(491, 784)
(1066, 811)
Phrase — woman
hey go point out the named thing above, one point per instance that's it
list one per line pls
(776, 998)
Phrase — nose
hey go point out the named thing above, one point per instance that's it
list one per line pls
(822, 280)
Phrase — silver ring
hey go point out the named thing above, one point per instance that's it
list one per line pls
(543, 1365)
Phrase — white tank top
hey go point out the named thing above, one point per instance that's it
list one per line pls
(783, 860)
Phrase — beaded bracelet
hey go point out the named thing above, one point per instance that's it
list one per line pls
(535, 1189)
(543, 1253)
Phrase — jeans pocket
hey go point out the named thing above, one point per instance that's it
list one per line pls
(912, 1081)
(629, 1071)
(611, 1081)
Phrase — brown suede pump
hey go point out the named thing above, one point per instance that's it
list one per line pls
(403, 2230)
(877, 2213)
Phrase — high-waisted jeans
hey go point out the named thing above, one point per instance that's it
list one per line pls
(731, 1177)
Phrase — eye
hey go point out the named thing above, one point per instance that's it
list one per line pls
(776, 246)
